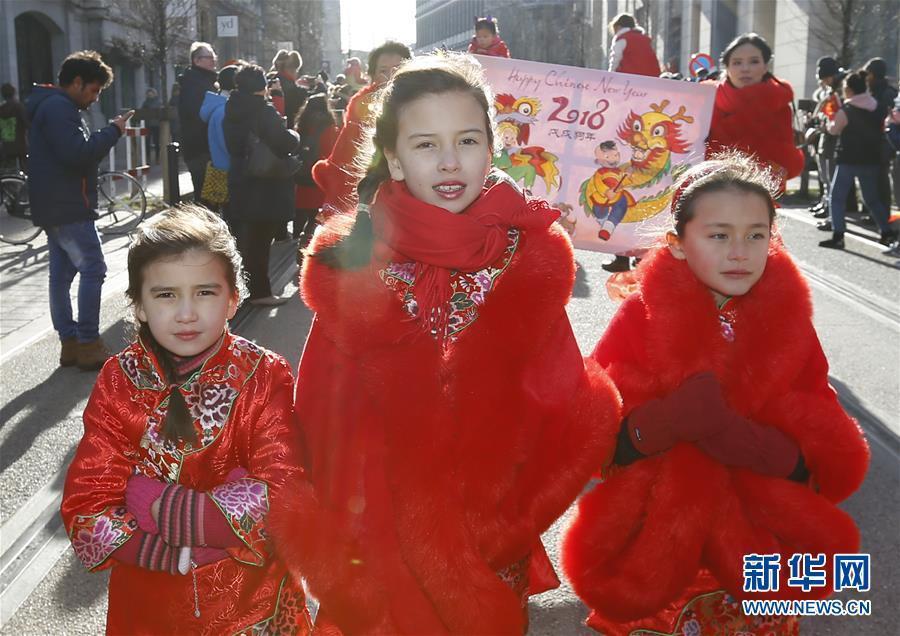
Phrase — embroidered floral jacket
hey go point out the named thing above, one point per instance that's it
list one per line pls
(666, 528)
(435, 470)
(240, 400)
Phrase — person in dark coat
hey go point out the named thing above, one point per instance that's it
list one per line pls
(884, 94)
(62, 186)
(152, 101)
(175, 123)
(859, 128)
(198, 79)
(286, 67)
(13, 130)
(259, 206)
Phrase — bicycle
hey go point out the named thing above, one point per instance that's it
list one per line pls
(121, 206)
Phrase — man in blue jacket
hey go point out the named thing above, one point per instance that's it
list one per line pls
(62, 185)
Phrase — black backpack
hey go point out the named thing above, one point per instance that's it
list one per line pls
(308, 155)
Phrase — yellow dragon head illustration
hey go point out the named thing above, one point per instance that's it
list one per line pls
(519, 111)
(653, 137)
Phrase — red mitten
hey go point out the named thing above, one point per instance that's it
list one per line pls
(691, 412)
(744, 443)
(140, 493)
(148, 551)
(204, 556)
(189, 517)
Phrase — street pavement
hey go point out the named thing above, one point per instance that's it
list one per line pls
(855, 293)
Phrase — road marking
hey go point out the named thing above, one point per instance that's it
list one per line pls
(804, 217)
(870, 304)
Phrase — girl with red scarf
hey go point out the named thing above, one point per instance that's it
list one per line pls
(187, 442)
(733, 441)
(486, 40)
(752, 112)
(448, 414)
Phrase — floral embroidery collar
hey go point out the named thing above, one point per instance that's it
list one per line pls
(209, 393)
(469, 289)
(727, 317)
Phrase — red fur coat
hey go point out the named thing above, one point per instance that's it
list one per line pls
(434, 471)
(642, 538)
(758, 120)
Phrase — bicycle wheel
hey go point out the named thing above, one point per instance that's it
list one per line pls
(15, 212)
(121, 202)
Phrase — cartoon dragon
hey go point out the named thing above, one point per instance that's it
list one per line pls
(523, 163)
(653, 137)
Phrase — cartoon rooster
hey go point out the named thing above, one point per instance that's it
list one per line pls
(523, 163)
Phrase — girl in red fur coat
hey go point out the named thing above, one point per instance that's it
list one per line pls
(753, 112)
(486, 40)
(733, 442)
(448, 414)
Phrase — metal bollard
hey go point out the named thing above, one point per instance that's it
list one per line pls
(171, 185)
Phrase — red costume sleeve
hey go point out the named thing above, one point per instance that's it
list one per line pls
(336, 176)
(832, 443)
(311, 536)
(93, 504)
(579, 391)
(271, 451)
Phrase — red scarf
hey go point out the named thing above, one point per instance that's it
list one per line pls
(769, 94)
(437, 241)
(757, 119)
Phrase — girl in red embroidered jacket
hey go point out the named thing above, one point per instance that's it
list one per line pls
(187, 442)
(448, 415)
(733, 442)
(753, 110)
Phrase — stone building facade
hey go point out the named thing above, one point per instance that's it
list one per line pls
(36, 35)
(575, 32)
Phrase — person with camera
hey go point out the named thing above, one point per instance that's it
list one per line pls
(62, 186)
(261, 202)
(827, 103)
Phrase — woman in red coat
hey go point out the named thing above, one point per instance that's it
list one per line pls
(448, 414)
(733, 442)
(338, 175)
(318, 134)
(753, 109)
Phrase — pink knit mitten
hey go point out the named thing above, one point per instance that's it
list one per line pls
(140, 493)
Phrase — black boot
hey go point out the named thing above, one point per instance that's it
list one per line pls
(825, 226)
(836, 242)
(888, 237)
(618, 264)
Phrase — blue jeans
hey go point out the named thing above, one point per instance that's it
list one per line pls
(613, 213)
(841, 183)
(75, 249)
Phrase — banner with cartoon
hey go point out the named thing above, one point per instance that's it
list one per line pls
(604, 147)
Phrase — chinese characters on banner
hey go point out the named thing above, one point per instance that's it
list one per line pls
(604, 147)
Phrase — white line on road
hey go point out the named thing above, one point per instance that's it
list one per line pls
(804, 217)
